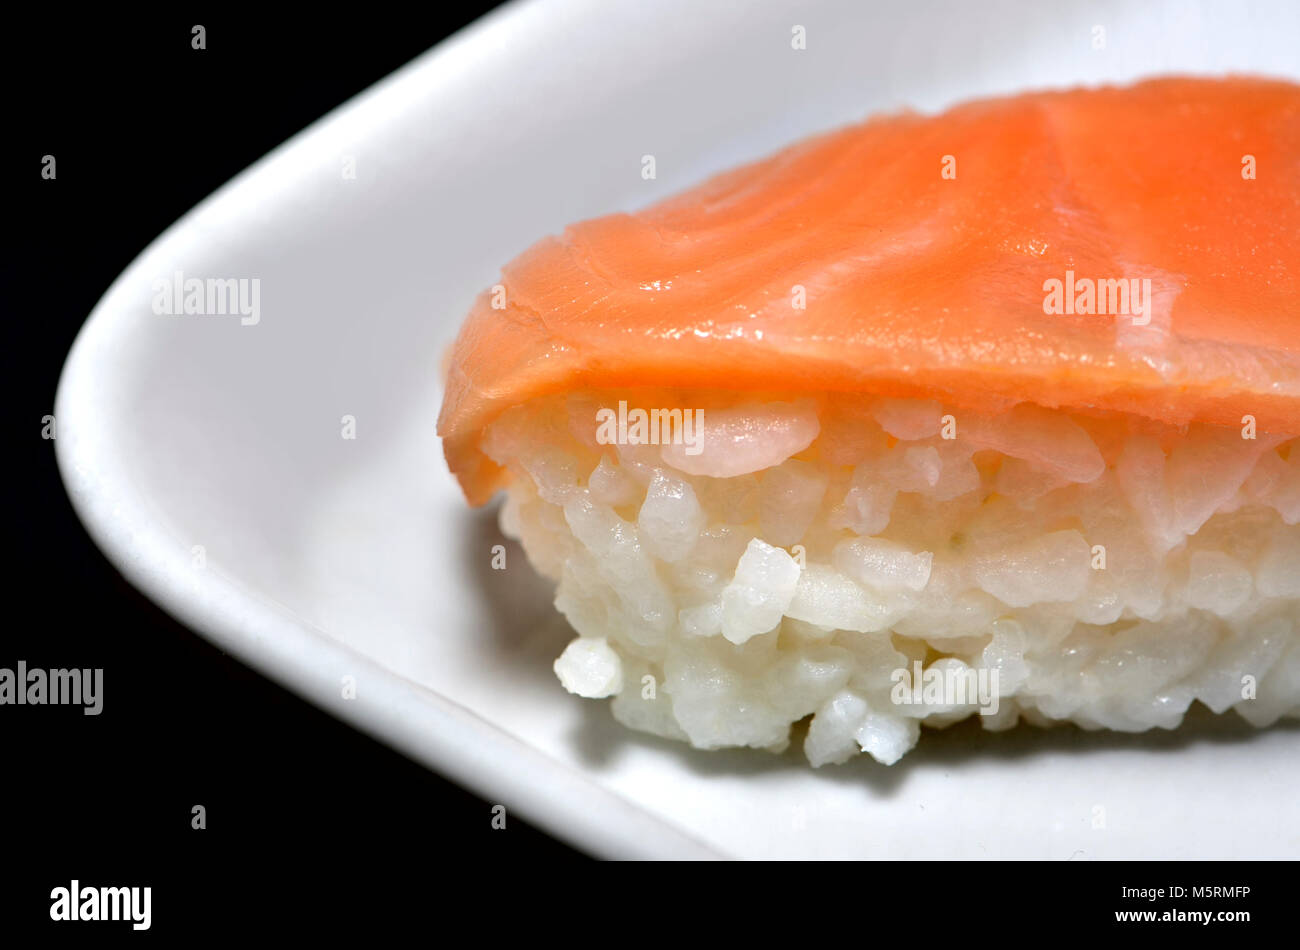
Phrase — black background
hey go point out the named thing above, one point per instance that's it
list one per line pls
(142, 128)
(304, 814)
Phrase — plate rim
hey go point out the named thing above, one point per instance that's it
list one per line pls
(422, 724)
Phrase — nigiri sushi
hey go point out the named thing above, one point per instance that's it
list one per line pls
(989, 413)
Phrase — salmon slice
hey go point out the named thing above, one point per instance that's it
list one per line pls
(913, 256)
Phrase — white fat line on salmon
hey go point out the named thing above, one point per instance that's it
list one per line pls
(177, 295)
(37, 687)
(103, 903)
(652, 427)
(951, 686)
(1122, 297)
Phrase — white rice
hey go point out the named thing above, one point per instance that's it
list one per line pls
(1110, 572)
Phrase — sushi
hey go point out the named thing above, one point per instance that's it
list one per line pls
(989, 413)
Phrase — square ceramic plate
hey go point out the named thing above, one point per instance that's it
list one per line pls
(207, 456)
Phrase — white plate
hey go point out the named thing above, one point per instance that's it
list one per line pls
(324, 558)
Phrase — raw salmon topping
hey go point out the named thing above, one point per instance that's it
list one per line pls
(1131, 250)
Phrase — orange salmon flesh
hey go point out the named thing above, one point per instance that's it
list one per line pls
(978, 257)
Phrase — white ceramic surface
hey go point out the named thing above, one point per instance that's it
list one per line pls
(328, 558)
